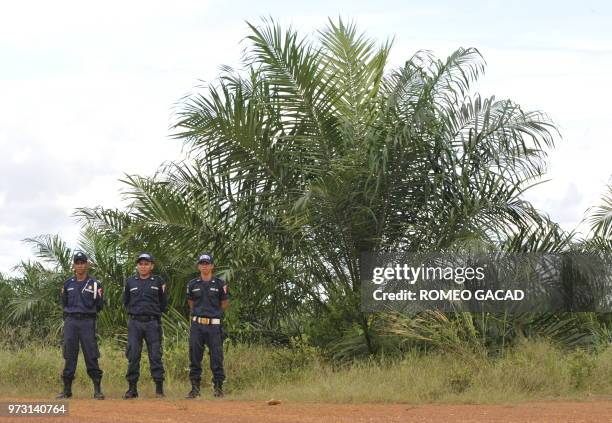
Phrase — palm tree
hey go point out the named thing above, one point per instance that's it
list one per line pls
(326, 154)
(35, 298)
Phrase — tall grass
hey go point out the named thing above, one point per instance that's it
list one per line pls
(530, 370)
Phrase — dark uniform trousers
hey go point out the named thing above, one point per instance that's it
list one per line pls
(151, 331)
(199, 337)
(83, 330)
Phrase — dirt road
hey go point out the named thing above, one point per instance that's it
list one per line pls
(228, 411)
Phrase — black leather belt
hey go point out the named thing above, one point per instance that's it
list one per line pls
(81, 315)
(143, 318)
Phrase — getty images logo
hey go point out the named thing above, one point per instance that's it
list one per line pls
(411, 274)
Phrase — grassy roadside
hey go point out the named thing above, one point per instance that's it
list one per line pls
(533, 370)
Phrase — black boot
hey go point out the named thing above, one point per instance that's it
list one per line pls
(159, 389)
(218, 389)
(67, 392)
(195, 389)
(97, 390)
(132, 391)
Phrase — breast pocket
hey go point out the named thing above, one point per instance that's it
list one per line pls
(72, 296)
(151, 293)
(213, 297)
(196, 294)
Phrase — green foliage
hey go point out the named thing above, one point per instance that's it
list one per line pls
(456, 334)
(316, 153)
(34, 299)
(601, 217)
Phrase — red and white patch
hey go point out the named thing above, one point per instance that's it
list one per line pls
(225, 288)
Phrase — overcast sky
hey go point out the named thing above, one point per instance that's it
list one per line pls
(87, 89)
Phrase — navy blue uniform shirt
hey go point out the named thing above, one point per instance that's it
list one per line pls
(207, 296)
(145, 296)
(82, 296)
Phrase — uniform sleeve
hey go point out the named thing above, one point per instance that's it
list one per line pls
(126, 293)
(163, 296)
(224, 291)
(99, 301)
(188, 294)
(64, 295)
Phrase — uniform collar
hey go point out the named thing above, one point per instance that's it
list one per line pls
(212, 278)
(202, 280)
(150, 278)
(74, 279)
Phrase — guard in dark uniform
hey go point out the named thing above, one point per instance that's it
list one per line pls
(208, 299)
(82, 298)
(145, 299)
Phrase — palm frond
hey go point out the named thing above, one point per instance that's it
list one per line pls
(600, 217)
(53, 250)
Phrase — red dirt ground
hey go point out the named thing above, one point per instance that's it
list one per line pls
(229, 411)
